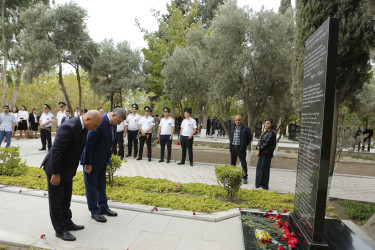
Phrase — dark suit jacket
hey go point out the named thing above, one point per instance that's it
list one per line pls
(63, 158)
(32, 119)
(64, 119)
(97, 151)
(245, 136)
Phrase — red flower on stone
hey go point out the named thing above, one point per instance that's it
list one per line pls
(45, 194)
(269, 241)
(271, 210)
(156, 209)
(266, 214)
(285, 210)
(178, 143)
(239, 208)
(43, 236)
(193, 212)
(278, 215)
(280, 248)
(175, 185)
(19, 191)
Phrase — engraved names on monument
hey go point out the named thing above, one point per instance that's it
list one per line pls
(316, 130)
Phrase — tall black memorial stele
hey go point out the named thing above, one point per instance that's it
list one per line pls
(319, 77)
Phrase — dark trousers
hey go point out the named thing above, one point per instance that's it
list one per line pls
(146, 138)
(45, 136)
(186, 143)
(119, 139)
(237, 152)
(262, 176)
(164, 139)
(95, 185)
(59, 198)
(208, 130)
(132, 138)
(368, 140)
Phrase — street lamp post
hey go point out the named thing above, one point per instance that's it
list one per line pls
(109, 95)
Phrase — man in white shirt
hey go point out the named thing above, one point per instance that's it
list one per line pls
(77, 113)
(187, 131)
(119, 139)
(165, 134)
(131, 129)
(61, 114)
(7, 125)
(45, 123)
(146, 124)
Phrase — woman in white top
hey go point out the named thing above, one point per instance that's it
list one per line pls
(22, 124)
(15, 114)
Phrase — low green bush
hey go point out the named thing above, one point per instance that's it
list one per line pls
(164, 193)
(116, 164)
(230, 178)
(10, 162)
(358, 210)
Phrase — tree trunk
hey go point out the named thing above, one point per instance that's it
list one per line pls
(61, 82)
(173, 110)
(5, 54)
(19, 70)
(102, 104)
(334, 142)
(79, 88)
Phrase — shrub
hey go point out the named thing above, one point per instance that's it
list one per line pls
(10, 162)
(230, 178)
(111, 169)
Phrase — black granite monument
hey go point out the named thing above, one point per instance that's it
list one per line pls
(316, 135)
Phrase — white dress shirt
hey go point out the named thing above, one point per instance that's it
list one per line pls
(146, 123)
(166, 125)
(188, 126)
(59, 117)
(133, 121)
(47, 117)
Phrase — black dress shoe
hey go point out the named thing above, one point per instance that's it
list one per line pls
(66, 236)
(149, 159)
(98, 217)
(74, 227)
(191, 164)
(168, 161)
(128, 155)
(181, 163)
(108, 212)
(139, 158)
(161, 161)
(244, 180)
(42, 149)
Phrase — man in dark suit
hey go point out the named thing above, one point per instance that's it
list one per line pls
(95, 158)
(60, 165)
(239, 137)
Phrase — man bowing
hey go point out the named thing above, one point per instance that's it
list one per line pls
(95, 158)
(60, 165)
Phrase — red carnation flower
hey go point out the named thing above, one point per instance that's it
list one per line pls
(43, 236)
(45, 194)
(292, 246)
(271, 210)
(269, 241)
(156, 209)
(239, 208)
(19, 191)
(266, 214)
(278, 215)
(193, 212)
(263, 241)
(175, 185)
(178, 143)
(285, 210)
(280, 248)
(158, 141)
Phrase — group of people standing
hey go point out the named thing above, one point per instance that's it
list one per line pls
(367, 133)
(140, 128)
(240, 137)
(215, 128)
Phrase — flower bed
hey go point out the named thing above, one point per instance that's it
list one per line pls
(269, 230)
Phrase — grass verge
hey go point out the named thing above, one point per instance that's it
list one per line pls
(163, 193)
(358, 210)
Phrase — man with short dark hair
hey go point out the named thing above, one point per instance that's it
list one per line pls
(66, 117)
(165, 134)
(146, 125)
(7, 125)
(45, 123)
(266, 146)
(240, 138)
(187, 132)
